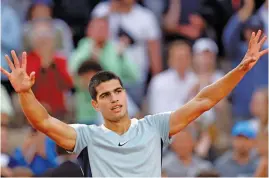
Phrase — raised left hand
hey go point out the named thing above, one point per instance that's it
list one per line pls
(253, 53)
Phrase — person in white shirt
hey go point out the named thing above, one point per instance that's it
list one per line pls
(205, 52)
(175, 83)
(127, 19)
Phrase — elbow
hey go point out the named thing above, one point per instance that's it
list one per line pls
(205, 104)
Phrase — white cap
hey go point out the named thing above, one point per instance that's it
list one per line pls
(205, 44)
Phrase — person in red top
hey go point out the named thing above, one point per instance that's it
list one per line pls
(52, 78)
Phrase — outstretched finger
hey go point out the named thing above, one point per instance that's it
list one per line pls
(15, 58)
(262, 41)
(4, 72)
(32, 77)
(258, 35)
(24, 60)
(10, 63)
(263, 52)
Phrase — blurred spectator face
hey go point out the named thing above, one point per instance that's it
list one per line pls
(259, 104)
(242, 145)
(183, 143)
(205, 54)
(40, 11)
(179, 56)
(98, 30)
(204, 62)
(43, 37)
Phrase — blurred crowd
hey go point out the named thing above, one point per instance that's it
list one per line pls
(165, 51)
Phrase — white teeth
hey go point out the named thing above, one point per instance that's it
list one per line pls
(116, 107)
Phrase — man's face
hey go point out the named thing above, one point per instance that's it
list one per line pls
(179, 57)
(111, 100)
(242, 145)
(183, 143)
(98, 30)
(204, 61)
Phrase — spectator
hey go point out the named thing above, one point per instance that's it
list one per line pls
(240, 161)
(215, 122)
(52, 78)
(204, 63)
(68, 166)
(10, 38)
(75, 14)
(183, 20)
(37, 153)
(259, 109)
(98, 47)
(235, 47)
(85, 113)
(42, 9)
(128, 20)
(181, 162)
(179, 77)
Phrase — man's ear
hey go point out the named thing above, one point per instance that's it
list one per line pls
(95, 105)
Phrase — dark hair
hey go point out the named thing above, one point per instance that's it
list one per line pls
(89, 65)
(100, 77)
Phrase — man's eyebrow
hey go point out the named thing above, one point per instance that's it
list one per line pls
(118, 88)
(107, 92)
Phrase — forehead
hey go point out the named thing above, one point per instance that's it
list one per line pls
(108, 86)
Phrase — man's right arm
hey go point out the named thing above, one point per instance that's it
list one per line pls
(63, 134)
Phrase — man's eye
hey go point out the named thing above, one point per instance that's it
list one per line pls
(118, 91)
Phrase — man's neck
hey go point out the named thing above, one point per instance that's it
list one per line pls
(120, 127)
(240, 158)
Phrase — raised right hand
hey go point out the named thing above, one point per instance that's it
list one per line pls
(18, 77)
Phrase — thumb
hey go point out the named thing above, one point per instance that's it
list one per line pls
(32, 77)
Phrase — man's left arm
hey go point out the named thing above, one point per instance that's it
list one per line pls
(212, 94)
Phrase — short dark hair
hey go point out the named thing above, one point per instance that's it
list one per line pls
(89, 65)
(100, 77)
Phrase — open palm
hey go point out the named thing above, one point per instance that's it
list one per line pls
(18, 77)
(253, 53)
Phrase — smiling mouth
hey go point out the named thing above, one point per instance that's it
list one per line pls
(116, 107)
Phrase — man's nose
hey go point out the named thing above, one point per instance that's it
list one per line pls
(114, 98)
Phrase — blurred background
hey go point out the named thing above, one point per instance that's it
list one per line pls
(165, 51)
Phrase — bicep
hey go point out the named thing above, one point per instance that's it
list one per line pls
(186, 114)
(63, 134)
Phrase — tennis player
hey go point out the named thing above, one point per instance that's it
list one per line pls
(122, 146)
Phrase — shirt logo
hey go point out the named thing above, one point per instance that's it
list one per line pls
(122, 144)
